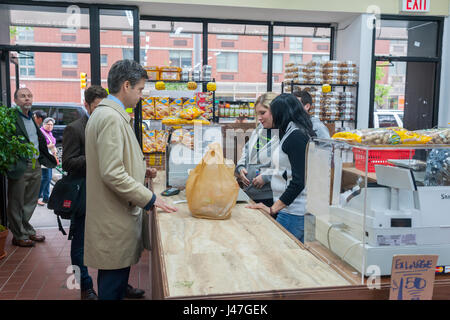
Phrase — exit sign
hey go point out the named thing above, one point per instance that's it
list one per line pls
(416, 5)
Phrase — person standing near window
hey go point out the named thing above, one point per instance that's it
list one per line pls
(44, 191)
(115, 191)
(250, 168)
(24, 177)
(39, 116)
(319, 128)
(288, 165)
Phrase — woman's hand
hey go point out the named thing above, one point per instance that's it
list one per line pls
(259, 206)
(258, 182)
(243, 177)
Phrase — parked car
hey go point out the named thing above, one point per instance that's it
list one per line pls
(63, 113)
(388, 118)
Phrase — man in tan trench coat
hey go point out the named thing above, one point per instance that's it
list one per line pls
(115, 172)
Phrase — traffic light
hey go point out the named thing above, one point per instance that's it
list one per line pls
(83, 80)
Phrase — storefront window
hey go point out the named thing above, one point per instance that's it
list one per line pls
(66, 26)
(401, 38)
(46, 83)
(116, 39)
(236, 53)
(405, 73)
(298, 45)
(171, 43)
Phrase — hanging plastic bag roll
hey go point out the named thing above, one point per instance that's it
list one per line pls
(211, 188)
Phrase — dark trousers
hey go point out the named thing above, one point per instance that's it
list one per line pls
(112, 284)
(44, 191)
(77, 250)
(22, 200)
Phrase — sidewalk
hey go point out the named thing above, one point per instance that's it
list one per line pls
(41, 272)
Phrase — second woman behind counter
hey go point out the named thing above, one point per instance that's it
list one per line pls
(256, 154)
(288, 163)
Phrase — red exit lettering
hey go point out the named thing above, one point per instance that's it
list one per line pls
(415, 5)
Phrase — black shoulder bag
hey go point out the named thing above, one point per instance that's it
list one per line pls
(68, 198)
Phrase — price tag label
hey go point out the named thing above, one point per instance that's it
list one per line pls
(412, 277)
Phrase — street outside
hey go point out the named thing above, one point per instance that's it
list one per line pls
(44, 217)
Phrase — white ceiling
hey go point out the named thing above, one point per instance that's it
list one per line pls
(227, 12)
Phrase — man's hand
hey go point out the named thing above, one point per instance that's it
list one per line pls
(164, 206)
(260, 206)
(243, 177)
(151, 173)
(258, 182)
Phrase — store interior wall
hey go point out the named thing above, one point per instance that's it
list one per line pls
(444, 99)
(306, 8)
(354, 42)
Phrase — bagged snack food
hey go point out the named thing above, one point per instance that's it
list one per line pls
(190, 112)
(175, 105)
(162, 108)
(382, 136)
(148, 108)
(173, 120)
(152, 73)
(160, 140)
(170, 73)
(212, 198)
(438, 136)
(149, 141)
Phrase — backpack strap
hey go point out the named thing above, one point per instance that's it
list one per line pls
(60, 227)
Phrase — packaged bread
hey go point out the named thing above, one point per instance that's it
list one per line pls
(438, 136)
(148, 108)
(175, 105)
(162, 107)
(149, 141)
(152, 73)
(160, 140)
(330, 64)
(347, 64)
(382, 136)
(170, 73)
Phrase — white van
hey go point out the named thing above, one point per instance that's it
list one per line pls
(388, 118)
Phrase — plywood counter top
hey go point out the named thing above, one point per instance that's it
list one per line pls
(247, 253)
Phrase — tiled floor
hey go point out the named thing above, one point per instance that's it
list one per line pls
(40, 272)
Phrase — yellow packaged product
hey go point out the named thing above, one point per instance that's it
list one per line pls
(173, 120)
(149, 141)
(190, 112)
(438, 135)
(175, 106)
(160, 141)
(201, 120)
(152, 72)
(162, 108)
(170, 73)
(382, 136)
(148, 108)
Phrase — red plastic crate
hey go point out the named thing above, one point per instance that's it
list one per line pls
(379, 157)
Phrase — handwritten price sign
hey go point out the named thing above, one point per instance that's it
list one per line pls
(412, 277)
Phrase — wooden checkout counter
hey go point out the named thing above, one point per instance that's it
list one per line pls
(249, 256)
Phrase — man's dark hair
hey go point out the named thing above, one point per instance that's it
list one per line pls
(125, 70)
(94, 92)
(40, 114)
(304, 96)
